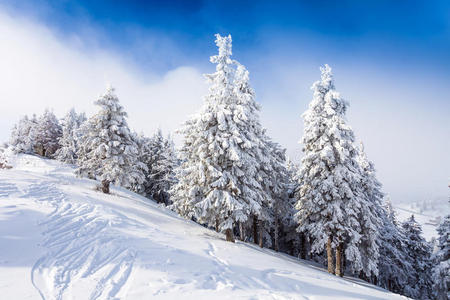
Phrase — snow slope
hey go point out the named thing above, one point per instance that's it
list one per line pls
(62, 239)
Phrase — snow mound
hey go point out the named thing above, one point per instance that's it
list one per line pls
(62, 239)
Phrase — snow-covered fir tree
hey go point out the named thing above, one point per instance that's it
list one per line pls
(371, 216)
(277, 188)
(419, 253)
(218, 180)
(108, 151)
(271, 171)
(22, 138)
(394, 266)
(47, 134)
(158, 154)
(163, 168)
(144, 144)
(441, 270)
(294, 242)
(330, 192)
(70, 137)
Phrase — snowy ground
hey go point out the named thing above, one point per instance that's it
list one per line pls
(61, 239)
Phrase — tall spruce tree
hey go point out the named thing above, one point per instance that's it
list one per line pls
(218, 180)
(70, 138)
(441, 270)
(419, 253)
(108, 150)
(271, 171)
(328, 199)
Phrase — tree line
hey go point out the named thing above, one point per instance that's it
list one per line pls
(231, 176)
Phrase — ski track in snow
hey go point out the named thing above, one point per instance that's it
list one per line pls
(81, 242)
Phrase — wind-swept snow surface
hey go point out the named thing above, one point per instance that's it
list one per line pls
(62, 239)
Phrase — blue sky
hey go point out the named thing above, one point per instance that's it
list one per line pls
(391, 61)
(417, 32)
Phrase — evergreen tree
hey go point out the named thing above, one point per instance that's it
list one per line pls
(371, 216)
(271, 170)
(441, 270)
(23, 135)
(218, 180)
(83, 149)
(70, 137)
(158, 154)
(293, 240)
(162, 172)
(395, 268)
(48, 132)
(328, 199)
(108, 151)
(144, 144)
(277, 187)
(419, 253)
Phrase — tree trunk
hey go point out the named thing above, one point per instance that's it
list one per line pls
(241, 231)
(105, 186)
(338, 260)
(229, 235)
(217, 225)
(275, 242)
(255, 230)
(330, 256)
(291, 248)
(343, 260)
(302, 246)
(260, 224)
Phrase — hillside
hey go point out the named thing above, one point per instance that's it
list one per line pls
(62, 239)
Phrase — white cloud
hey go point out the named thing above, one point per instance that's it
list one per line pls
(38, 70)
